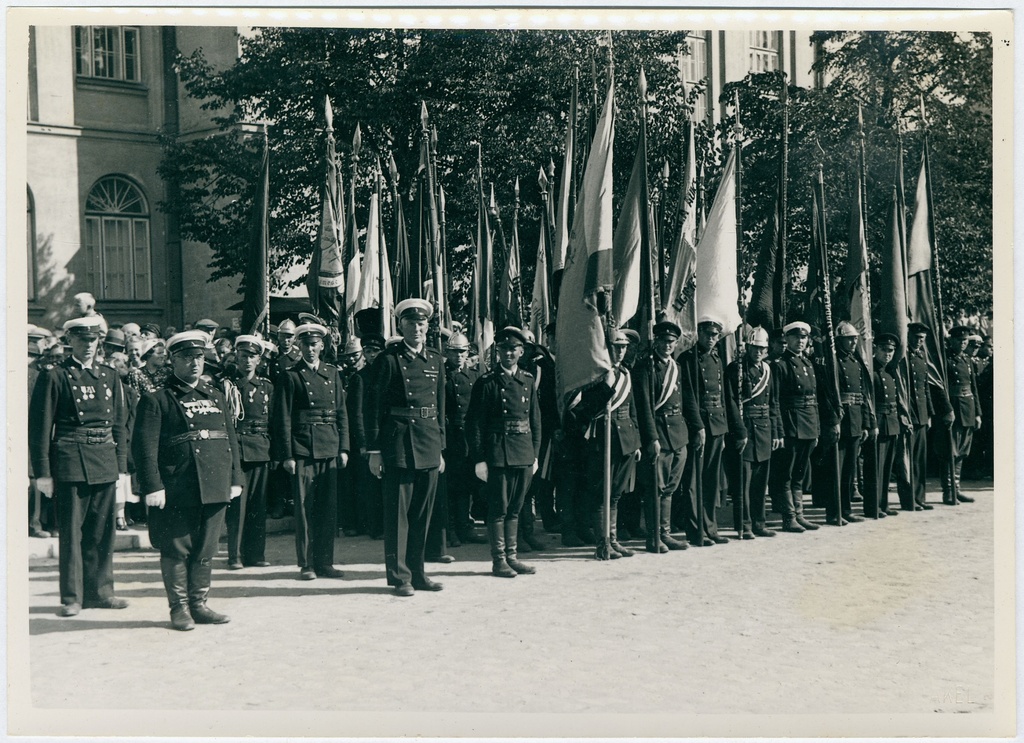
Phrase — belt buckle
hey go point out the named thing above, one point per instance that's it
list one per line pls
(204, 433)
(425, 412)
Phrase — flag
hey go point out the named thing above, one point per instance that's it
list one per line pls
(350, 248)
(626, 250)
(256, 311)
(400, 268)
(892, 305)
(483, 279)
(540, 304)
(921, 278)
(581, 348)
(565, 185)
(819, 296)
(375, 274)
(717, 294)
(510, 297)
(677, 303)
(325, 281)
(857, 281)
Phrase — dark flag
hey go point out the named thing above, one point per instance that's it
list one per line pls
(325, 281)
(858, 290)
(256, 310)
(483, 275)
(819, 296)
(400, 270)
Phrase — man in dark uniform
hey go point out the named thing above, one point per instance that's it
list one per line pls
(367, 487)
(798, 405)
(892, 418)
(625, 452)
(351, 520)
(911, 461)
(540, 495)
(669, 419)
(309, 436)
(631, 505)
(405, 435)
(857, 427)
(279, 500)
(460, 482)
(503, 433)
(78, 446)
(760, 433)
(702, 365)
(186, 456)
(963, 413)
(247, 514)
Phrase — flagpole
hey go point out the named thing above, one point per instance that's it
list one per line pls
(520, 315)
(740, 345)
(381, 266)
(350, 247)
(783, 281)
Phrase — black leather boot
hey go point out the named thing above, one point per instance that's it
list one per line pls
(175, 575)
(511, 534)
(199, 575)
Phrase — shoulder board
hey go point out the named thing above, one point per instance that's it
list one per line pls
(527, 374)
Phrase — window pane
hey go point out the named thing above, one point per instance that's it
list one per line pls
(93, 265)
(117, 250)
(131, 54)
(143, 284)
(82, 51)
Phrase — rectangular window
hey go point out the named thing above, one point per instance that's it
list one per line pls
(695, 70)
(118, 258)
(763, 51)
(140, 260)
(108, 53)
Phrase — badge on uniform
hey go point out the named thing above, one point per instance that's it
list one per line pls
(88, 392)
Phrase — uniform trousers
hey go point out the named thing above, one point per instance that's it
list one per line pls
(747, 502)
(849, 453)
(570, 485)
(350, 515)
(710, 462)
(911, 463)
(878, 461)
(505, 491)
(370, 495)
(462, 485)
(437, 531)
(788, 490)
(542, 489)
(825, 464)
(623, 480)
(962, 437)
(408, 502)
(189, 537)
(247, 516)
(666, 474)
(315, 491)
(85, 517)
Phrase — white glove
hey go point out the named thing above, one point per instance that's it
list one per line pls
(440, 467)
(123, 488)
(481, 471)
(375, 463)
(534, 470)
(236, 490)
(289, 466)
(45, 486)
(343, 460)
(157, 499)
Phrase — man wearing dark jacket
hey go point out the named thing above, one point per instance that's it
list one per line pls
(892, 418)
(186, 456)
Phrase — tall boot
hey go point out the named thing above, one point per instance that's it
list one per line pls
(496, 536)
(666, 526)
(199, 575)
(567, 500)
(652, 515)
(604, 549)
(614, 541)
(511, 534)
(175, 575)
(528, 529)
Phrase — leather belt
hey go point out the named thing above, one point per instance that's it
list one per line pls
(711, 400)
(622, 412)
(201, 435)
(888, 409)
(317, 417)
(86, 435)
(962, 391)
(258, 427)
(427, 412)
(801, 401)
(852, 398)
(511, 426)
(670, 411)
(755, 412)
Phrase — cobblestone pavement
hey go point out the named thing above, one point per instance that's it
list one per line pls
(884, 617)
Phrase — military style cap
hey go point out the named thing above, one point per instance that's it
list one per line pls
(618, 338)
(115, 338)
(374, 340)
(776, 335)
(887, 339)
(186, 340)
(352, 346)
(667, 328)
(960, 330)
(309, 317)
(458, 342)
(311, 328)
(916, 328)
(148, 345)
(798, 327)
(152, 328)
(83, 327)
(510, 335)
(531, 339)
(708, 320)
(208, 323)
(287, 327)
(632, 335)
(846, 330)
(394, 340)
(251, 343)
(757, 337)
(975, 338)
(418, 308)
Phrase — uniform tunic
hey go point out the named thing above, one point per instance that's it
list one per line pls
(247, 514)
(77, 436)
(460, 484)
(625, 441)
(310, 425)
(797, 384)
(912, 450)
(890, 415)
(855, 393)
(962, 391)
(404, 421)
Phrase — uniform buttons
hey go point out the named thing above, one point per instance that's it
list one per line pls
(197, 451)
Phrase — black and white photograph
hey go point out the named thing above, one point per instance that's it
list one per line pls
(510, 372)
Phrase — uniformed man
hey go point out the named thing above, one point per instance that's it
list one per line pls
(279, 500)
(351, 520)
(892, 419)
(538, 362)
(857, 426)
(309, 436)
(631, 503)
(367, 487)
(461, 484)
(405, 435)
(760, 433)
(911, 461)
(669, 419)
(963, 413)
(625, 451)
(798, 405)
(288, 351)
(186, 456)
(702, 364)
(247, 514)
(503, 433)
(78, 446)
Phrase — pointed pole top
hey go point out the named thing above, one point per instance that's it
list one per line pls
(392, 168)
(664, 171)
(516, 187)
(328, 113)
(924, 117)
(424, 117)
(642, 85)
(357, 141)
(492, 206)
(551, 169)
(542, 181)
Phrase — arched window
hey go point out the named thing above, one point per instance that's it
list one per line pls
(30, 243)
(117, 240)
